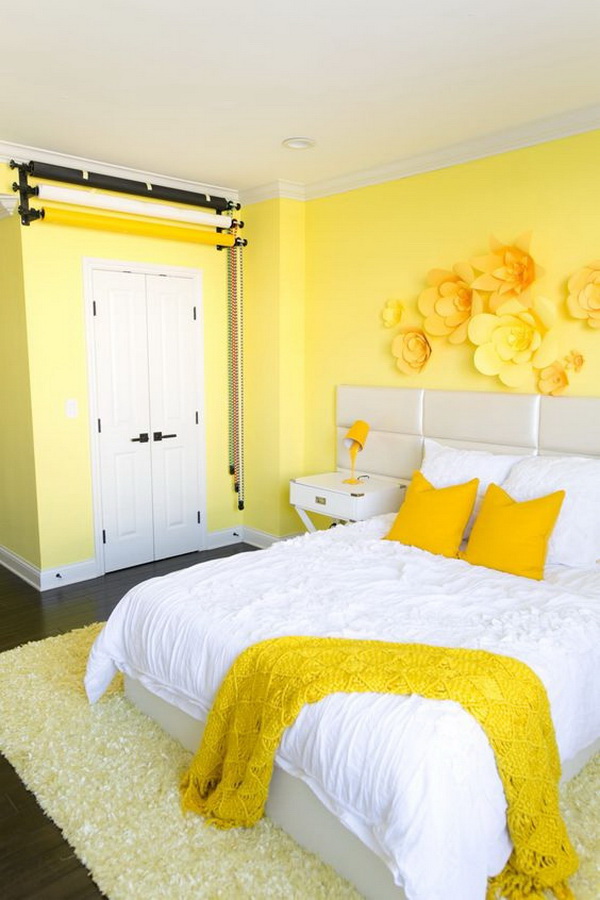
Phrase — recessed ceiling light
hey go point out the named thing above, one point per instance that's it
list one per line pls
(298, 143)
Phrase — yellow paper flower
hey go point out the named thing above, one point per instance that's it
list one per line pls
(508, 272)
(553, 379)
(512, 342)
(392, 313)
(574, 360)
(449, 302)
(583, 301)
(412, 350)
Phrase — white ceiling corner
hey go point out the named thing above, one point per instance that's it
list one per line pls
(291, 190)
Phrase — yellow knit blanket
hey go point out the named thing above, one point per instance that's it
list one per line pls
(269, 683)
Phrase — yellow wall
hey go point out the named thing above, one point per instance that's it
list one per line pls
(18, 506)
(367, 246)
(275, 354)
(54, 295)
(56, 347)
(292, 353)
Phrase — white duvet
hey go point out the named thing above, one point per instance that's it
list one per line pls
(415, 779)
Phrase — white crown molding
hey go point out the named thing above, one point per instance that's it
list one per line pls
(23, 153)
(538, 132)
(8, 204)
(291, 190)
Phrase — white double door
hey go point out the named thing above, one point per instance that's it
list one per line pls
(148, 361)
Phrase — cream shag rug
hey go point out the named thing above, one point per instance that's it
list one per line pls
(109, 777)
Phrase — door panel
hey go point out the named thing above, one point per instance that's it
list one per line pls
(174, 469)
(175, 371)
(126, 525)
(124, 413)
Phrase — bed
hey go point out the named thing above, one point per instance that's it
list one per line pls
(380, 785)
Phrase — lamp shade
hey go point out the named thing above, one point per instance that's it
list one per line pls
(357, 432)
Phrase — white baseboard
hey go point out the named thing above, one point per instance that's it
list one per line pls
(229, 536)
(257, 538)
(70, 574)
(224, 538)
(19, 566)
(46, 579)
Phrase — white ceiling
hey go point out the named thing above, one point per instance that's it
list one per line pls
(208, 91)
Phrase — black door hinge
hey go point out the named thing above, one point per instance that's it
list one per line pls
(103, 536)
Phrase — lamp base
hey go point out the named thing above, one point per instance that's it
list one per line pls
(351, 481)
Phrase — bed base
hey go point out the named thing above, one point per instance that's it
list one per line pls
(291, 805)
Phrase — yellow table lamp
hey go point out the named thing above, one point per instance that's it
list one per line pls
(355, 440)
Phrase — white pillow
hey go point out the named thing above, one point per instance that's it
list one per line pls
(575, 540)
(444, 466)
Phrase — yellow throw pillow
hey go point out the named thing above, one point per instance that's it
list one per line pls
(434, 519)
(513, 537)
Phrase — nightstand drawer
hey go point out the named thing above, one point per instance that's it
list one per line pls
(340, 505)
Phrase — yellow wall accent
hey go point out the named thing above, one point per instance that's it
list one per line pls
(354, 265)
(275, 358)
(18, 507)
(54, 309)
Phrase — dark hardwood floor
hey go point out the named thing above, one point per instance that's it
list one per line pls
(35, 862)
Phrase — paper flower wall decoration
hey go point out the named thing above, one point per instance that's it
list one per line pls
(554, 379)
(514, 340)
(574, 360)
(488, 302)
(392, 313)
(507, 272)
(583, 301)
(449, 302)
(412, 350)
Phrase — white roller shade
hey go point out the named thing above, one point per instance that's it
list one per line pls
(93, 200)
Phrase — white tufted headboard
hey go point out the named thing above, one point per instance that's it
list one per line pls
(399, 419)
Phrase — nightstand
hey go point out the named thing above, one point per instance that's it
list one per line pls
(328, 495)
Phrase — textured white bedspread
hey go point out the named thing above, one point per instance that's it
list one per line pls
(415, 779)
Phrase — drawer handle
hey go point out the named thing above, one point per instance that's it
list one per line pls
(321, 501)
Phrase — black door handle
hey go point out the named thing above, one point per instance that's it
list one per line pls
(143, 438)
(159, 436)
